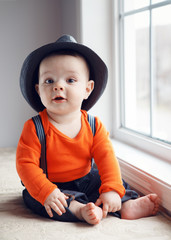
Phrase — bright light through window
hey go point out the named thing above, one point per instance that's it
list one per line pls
(146, 68)
(161, 60)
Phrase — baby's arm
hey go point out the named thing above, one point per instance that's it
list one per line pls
(111, 202)
(56, 201)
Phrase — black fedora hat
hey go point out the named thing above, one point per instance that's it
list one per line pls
(29, 71)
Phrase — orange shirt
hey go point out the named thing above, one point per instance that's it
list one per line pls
(67, 158)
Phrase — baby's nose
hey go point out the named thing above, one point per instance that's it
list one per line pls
(58, 86)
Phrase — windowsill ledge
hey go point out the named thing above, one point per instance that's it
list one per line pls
(145, 172)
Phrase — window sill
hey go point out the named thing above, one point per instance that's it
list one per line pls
(145, 172)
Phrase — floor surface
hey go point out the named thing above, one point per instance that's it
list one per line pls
(18, 223)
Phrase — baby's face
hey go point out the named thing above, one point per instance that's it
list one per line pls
(64, 83)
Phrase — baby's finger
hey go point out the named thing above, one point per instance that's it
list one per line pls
(98, 202)
(105, 210)
(66, 197)
(49, 211)
(57, 209)
(116, 208)
(63, 201)
(60, 205)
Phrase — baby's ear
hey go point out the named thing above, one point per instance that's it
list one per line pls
(89, 88)
(37, 88)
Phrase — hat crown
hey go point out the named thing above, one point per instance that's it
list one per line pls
(66, 38)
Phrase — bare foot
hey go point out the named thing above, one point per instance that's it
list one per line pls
(91, 213)
(140, 207)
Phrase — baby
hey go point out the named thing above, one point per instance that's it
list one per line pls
(62, 81)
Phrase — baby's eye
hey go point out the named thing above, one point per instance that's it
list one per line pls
(49, 81)
(70, 80)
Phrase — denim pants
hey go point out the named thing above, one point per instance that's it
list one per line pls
(84, 190)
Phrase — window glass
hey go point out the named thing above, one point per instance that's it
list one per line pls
(156, 1)
(161, 60)
(130, 5)
(145, 70)
(136, 69)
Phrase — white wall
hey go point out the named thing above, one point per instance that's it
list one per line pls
(25, 26)
(96, 32)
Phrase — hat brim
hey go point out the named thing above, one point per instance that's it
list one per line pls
(28, 76)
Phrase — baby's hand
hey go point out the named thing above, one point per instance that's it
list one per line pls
(111, 202)
(56, 201)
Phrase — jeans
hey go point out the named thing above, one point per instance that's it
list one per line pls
(84, 190)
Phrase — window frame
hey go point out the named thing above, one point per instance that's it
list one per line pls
(155, 147)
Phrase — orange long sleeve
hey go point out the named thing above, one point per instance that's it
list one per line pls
(106, 161)
(67, 159)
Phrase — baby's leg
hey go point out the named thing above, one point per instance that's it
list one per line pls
(89, 212)
(140, 207)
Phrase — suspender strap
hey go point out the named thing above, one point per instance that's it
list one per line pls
(92, 122)
(42, 138)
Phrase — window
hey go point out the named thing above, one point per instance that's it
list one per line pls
(145, 75)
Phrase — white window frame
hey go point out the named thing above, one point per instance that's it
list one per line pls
(155, 147)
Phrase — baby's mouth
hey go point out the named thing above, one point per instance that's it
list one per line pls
(59, 99)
